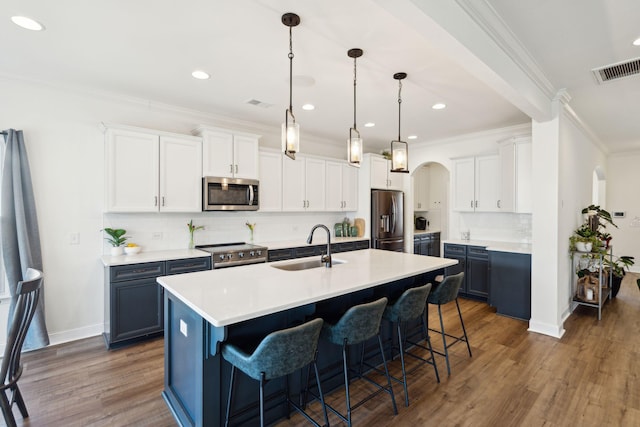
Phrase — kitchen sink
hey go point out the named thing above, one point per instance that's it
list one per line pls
(305, 265)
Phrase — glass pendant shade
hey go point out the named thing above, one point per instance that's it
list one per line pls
(354, 148)
(399, 148)
(290, 136)
(399, 156)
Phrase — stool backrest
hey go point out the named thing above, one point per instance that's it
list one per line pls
(283, 352)
(27, 294)
(410, 305)
(359, 323)
(446, 291)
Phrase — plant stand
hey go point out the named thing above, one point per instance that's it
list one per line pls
(592, 287)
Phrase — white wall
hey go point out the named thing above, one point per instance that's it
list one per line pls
(65, 148)
(623, 174)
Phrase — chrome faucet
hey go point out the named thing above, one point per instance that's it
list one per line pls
(324, 258)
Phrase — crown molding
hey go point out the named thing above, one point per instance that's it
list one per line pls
(486, 17)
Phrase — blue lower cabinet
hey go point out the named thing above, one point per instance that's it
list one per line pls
(510, 284)
(474, 262)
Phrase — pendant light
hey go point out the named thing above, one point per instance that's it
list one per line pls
(399, 148)
(354, 143)
(290, 129)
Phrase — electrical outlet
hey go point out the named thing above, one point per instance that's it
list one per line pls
(74, 238)
(156, 235)
(183, 328)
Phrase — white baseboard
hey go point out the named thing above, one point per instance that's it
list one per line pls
(556, 331)
(75, 334)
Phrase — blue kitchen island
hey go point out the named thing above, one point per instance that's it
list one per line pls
(203, 309)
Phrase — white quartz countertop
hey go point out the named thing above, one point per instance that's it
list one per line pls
(153, 256)
(319, 238)
(515, 247)
(231, 295)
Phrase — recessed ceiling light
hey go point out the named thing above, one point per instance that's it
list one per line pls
(369, 125)
(636, 42)
(412, 137)
(439, 106)
(27, 23)
(308, 107)
(200, 75)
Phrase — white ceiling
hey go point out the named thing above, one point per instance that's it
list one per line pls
(148, 48)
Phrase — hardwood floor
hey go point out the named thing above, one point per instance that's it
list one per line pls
(590, 377)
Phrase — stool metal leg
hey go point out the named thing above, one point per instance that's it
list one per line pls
(466, 339)
(233, 376)
(262, 381)
(324, 406)
(444, 341)
(404, 371)
(346, 381)
(425, 327)
(386, 371)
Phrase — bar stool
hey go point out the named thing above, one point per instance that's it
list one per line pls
(410, 306)
(356, 326)
(444, 293)
(279, 354)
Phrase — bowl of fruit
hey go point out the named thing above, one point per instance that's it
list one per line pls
(132, 248)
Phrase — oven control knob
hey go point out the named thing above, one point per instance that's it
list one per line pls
(222, 257)
(259, 253)
(241, 254)
(252, 253)
(229, 256)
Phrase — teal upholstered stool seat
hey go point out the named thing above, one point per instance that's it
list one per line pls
(444, 293)
(410, 306)
(279, 354)
(359, 324)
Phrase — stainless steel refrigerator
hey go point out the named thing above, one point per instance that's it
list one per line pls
(387, 217)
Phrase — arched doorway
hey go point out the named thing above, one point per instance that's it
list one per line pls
(430, 191)
(599, 188)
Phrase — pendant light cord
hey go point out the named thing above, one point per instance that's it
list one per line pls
(290, 71)
(354, 93)
(399, 104)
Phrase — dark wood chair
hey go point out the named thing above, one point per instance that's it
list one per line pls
(28, 293)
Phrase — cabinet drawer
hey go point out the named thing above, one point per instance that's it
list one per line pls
(309, 251)
(342, 247)
(454, 249)
(177, 266)
(136, 271)
(477, 252)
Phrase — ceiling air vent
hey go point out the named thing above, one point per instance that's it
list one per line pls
(258, 103)
(617, 71)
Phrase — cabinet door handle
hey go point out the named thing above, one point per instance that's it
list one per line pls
(236, 168)
(472, 203)
(155, 201)
(498, 203)
(230, 168)
(476, 204)
(162, 200)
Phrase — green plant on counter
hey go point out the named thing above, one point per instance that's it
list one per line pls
(583, 234)
(116, 236)
(192, 229)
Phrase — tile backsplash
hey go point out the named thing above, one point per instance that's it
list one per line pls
(501, 227)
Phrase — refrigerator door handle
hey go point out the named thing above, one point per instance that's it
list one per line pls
(393, 214)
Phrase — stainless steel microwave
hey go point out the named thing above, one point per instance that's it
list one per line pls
(229, 194)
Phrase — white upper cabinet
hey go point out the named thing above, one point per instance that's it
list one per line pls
(229, 154)
(180, 174)
(476, 184)
(515, 159)
(438, 187)
(151, 172)
(381, 176)
(303, 184)
(341, 186)
(270, 190)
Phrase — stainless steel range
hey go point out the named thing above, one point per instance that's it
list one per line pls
(233, 254)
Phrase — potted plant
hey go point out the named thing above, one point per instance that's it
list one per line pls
(583, 239)
(618, 264)
(192, 229)
(117, 239)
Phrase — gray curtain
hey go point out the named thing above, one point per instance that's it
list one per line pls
(19, 230)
